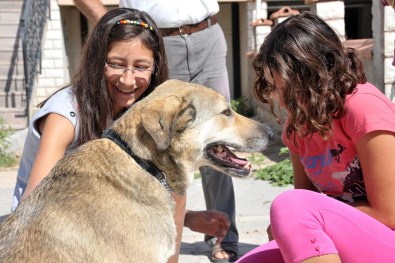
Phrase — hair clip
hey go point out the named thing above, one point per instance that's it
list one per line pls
(134, 22)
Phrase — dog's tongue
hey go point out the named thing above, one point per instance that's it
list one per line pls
(224, 153)
(242, 162)
(239, 161)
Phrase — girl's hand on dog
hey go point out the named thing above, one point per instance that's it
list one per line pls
(209, 222)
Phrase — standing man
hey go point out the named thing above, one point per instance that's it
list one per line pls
(196, 52)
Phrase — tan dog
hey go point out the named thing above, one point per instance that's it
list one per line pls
(101, 204)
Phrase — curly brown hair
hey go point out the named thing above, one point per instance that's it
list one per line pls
(318, 73)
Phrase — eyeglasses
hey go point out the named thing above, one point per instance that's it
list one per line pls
(138, 72)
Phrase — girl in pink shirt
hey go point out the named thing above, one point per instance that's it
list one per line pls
(340, 131)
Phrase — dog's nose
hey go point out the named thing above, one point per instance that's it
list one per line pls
(270, 134)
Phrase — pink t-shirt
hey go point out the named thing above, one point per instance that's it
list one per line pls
(333, 165)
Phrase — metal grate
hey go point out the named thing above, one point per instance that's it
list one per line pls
(33, 21)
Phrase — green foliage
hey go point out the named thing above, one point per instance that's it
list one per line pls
(284, 151)
(6, 159)
(240, 106)
(196, 175)
(256, 158)
(279, 174)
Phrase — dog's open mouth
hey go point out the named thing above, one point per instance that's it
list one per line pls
(223, 157)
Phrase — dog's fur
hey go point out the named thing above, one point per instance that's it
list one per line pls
(99, 205)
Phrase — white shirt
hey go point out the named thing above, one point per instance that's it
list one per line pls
(174, 13)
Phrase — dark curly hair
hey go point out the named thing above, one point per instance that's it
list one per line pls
(318, 73)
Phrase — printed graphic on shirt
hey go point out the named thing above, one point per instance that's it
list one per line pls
(335, 153)
(335, 175)
(318, 162)
(352, 181)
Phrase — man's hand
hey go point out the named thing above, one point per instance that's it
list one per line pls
(210, 222)
(92, 9)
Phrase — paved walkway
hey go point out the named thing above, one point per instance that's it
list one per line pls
(7, 184)
(253, 199)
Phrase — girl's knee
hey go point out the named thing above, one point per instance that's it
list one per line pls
(288, 201)
(291, 207)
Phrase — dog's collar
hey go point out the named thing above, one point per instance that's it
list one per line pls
(145, 164)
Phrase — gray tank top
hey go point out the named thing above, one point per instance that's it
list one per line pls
(63, 103)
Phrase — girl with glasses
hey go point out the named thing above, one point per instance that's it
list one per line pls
(97, 96)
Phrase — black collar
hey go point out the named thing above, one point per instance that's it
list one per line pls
(145, 164)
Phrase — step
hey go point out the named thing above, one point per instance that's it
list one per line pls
(14, 84)
(16, 69)
(13, 23)
(15, 4)
(15, 77)
(11, 10)
(7, 55)
(12, 99)
(10, 43)
(17, 126)
(8, 30)
(15, 118)
(8, 15)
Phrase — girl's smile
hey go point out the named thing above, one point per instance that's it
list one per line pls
(128, 69)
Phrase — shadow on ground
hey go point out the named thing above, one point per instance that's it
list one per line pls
(202, 249)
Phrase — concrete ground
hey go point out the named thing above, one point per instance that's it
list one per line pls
(253, 199)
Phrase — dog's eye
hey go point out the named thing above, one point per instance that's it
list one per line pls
(227, 112)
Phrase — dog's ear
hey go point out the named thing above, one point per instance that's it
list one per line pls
(160, 119)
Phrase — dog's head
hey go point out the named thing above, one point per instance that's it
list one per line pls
(182, 126)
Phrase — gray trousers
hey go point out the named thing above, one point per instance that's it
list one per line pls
(201, 58)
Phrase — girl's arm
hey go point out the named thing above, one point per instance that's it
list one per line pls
(57, 133)
(376, 152)
(301, 181)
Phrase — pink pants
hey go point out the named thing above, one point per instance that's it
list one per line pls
(306, 224)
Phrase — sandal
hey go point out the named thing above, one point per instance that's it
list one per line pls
(230, 248)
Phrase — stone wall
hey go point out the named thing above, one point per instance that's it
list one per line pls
(332, 12)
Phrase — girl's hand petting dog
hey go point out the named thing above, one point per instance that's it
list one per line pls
(209, 222)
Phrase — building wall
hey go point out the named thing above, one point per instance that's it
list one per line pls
(55, 70)
(225, 20)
